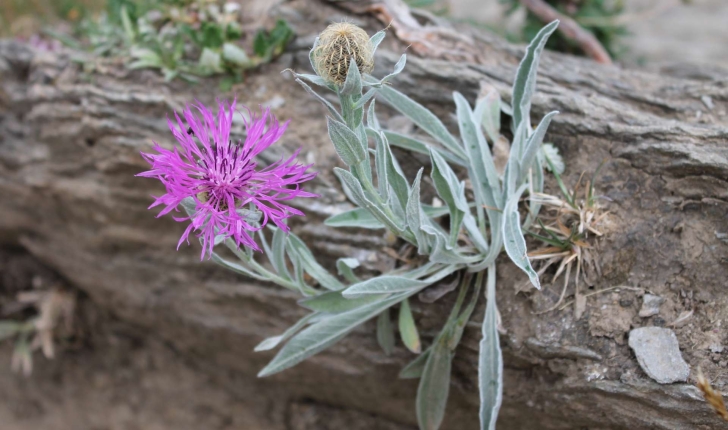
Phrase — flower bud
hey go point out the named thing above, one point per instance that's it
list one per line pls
(337, 44)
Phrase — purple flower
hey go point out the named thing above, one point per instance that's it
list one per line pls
(222, 177)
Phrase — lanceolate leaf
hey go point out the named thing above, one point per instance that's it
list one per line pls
(359, 218)
(352, 84)
(533, 144)
(513, 239)
(333, 302)
(415, 145)
(490, 363)
(274, 341)
(384, 284)
(425, 119)
(312, 266)
(385, 332)
(408, 329)
(434, 386)
(525, 83)
(415, 368)
(346, 143)
(326, 332)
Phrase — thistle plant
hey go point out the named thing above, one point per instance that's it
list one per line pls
(462, 238)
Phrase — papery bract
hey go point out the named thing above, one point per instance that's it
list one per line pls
(222, 176)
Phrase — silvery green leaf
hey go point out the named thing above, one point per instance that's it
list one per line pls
(481, 167)
(385, 332)
(314, 79)
(376, 40)
(474, 233)
(274, 341)
(408, 329)
(325, 102)
(189, 205)
(513, 167)
(352, 84)
(425, 119)
(551, 152)
(234, 54)
(525, 82)
(334, 303)
(394, 176)
(533, 144)
(354, 190)
(449, 189)
(359, 218)
(414, 216)
(311, 55)
(442, 253)
(419, 146)
(490, 362)
(488, 112)
(346, 143)
(397, 69)
(372, 121)
(278, 255)
(345, 268)
(365, 98)
(434, 386)
(513, 239)
(380, 162)
(536, 186)
(414, 369)
(311, 265)
(237, 268)
(322, 334)
(384, 284)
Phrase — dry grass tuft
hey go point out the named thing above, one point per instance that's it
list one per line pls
(714, 398)
(570, 220)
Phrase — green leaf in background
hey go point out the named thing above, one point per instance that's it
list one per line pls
(359, 218)
(346, 266)
(408, 329)
(234, 54)
(213, 35)
(271, 43)
(385, 332)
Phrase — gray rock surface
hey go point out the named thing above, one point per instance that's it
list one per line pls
(651, 305)
(659, 354)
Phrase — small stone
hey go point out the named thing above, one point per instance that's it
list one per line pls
(275, 102)
(716, 348)
(658, 354)
(651, 305)
(625, 303)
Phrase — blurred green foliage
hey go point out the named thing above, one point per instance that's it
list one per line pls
(180, 38)
(599, 17)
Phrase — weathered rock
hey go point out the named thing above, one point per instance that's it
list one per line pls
(658, 353)
(650, 305)
(69, 147)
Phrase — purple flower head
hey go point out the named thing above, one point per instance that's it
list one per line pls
(222, 178)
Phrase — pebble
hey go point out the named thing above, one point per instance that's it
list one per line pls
(651, 305)
(658, 354)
